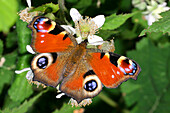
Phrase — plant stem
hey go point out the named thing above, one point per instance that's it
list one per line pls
(135, 27)
(108, 100)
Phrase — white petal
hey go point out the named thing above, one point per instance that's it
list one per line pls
(95, 40)
(58, 89)
(2, 61)
(149, 8)
(154, 3)
(163, 4)
(29, 75)
(29, 49)
(151, 19)
(75, 15)
(146, 17)
(166, 9)
(70, 29)
(99, 20)
(23, 70)
(79, 40)
(29, 3)
(60, 95)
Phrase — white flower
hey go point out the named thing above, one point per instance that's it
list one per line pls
(153, 11)
(29, 3)
(2, 61)
(29, 74)
(86, 28)
(70, 29)
(27, 16)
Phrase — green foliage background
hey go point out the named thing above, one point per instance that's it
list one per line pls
(149, 46)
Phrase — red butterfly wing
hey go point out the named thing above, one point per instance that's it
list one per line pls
(48, 36)
(113, 69)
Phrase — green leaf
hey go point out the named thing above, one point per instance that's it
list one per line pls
(83, 4)
(25, 106)
(66, 109)
(7, 70)
(8, 103)
(5, 77)
(105, 34)
(142, 44)
(128, 34)
(149, 92)
(24, 35)
(114, 21)
(72, 1)
(1, 47)
(10, 60)
(21, 89)
(11, 39)
(49, 7)
(8, 11)
(159, 26)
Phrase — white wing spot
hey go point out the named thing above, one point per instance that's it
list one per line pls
(118, 72)
(113, 76)
(42, 35)
(42, 41)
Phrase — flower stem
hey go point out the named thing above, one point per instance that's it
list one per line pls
(63, 10)
(112, 103)
(135, 27)
(108, 100)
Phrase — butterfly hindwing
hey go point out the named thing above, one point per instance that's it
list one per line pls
(48, 67)
(49, 36)
(83, 84)
(112, 69)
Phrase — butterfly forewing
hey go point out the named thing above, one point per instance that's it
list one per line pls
(112, 69)
(48, 36)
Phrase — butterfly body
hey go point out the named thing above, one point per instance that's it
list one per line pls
(82, 72)
(76, 56)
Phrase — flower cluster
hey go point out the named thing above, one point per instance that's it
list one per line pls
(153, 9)
(25, 16)
(86, 28)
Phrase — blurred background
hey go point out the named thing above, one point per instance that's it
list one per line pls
(136, 35)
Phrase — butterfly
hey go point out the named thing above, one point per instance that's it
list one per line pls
(80, 71)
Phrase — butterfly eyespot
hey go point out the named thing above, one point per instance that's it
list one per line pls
(90, 85)
(43, 24)
(128, 67)
(42, 62)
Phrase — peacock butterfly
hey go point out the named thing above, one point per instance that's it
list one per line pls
(81, 71)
